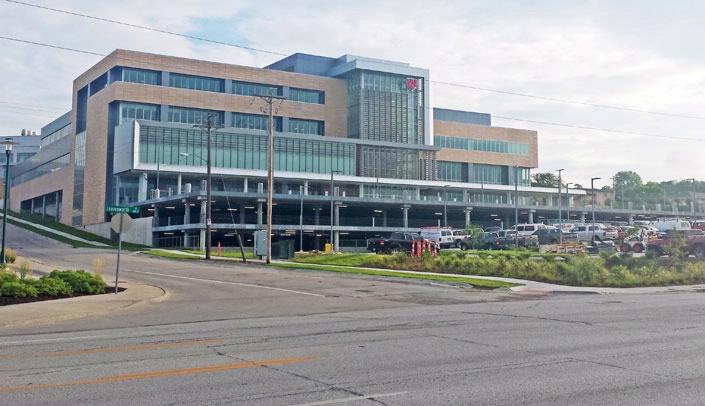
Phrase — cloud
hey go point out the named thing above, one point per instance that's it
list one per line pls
(647, 56)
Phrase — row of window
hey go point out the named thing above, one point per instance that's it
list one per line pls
(55, 136)
(43, 169)
(481, 173)
(141, 111)
(470, 144)
(176, 146)
(181, 81)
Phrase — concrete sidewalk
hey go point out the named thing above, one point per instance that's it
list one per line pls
(54, 311)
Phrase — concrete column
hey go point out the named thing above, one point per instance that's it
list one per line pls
(142, 193)
(317, 215)
(178, 184)
(187, 213)
(259, 213)
(57, 212)
(155, 217)
(44, 205)
(244, 185)
(631, 219)
(467, 211)
(531, 216)
(405, 209)
(305, 188)
(336, 234)
(384, 218)
(582, 216)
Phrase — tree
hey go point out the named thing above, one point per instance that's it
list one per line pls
(546, 179)
(627, 186)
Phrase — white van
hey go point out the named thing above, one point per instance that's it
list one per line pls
(665, 225)
(440, 235)
(527, 229)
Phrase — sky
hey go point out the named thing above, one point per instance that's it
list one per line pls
(608, 85)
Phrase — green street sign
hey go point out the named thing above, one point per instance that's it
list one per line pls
(122, 209)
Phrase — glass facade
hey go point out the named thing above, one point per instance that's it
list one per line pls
(306, 96)
(138, 111)
(80, 157)
(387, 162)
(55, 136)
(251, 89)
(255, 121)
(490, 174)
(243, 151)
(196, 83)
(193, 116)
(142, 76)
(305, 126)
(452, 171)
(43, 169)
(469, 144)
(385, 107)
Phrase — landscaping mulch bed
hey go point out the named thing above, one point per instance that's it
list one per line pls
(7, 301)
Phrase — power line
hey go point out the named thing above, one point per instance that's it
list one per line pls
(600, 129)
(554, 99)
(500, 117)
(142, 27)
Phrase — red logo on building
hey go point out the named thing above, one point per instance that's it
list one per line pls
(412, 83)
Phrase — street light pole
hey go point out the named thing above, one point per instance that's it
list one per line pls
(332, 192)
(8, 151)
(567, 198)
(560, 220)
(301, 219)
(208, 126)
(692, 204)
(445, 206)
(592, 192)
(516, 210)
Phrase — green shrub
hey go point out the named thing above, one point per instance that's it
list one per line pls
(18, 289)
(52, 287)
(7, 276)
(81, 282)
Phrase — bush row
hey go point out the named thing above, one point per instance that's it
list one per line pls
(57, 283)
(605, 270)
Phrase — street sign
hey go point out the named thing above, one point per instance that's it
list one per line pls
(121, 223)
(122, 209)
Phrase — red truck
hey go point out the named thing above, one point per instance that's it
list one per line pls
(694, 244)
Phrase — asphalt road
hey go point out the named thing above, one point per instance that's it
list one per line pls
(251, 335)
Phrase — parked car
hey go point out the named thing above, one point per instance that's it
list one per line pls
(601, 233)
(527, 229)
(442, 236)
(522, 240)
(462, 237)
(553, 236)
(396, 242)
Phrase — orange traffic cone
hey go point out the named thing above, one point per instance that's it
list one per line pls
(413, 248)
(435, 250)
(218, 248)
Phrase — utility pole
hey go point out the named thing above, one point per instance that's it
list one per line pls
(209, 126)
(269, 99)
(560, 220)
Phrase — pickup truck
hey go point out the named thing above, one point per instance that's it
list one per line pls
(507, 238)
(694, 245)
(396, 242)
(601, 233)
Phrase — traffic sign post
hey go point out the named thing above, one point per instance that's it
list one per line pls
(120, 223)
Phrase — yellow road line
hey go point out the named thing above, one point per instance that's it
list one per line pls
(115, 349)
(171, 372)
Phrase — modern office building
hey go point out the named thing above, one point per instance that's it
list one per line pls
(358, 151)
(24, 147)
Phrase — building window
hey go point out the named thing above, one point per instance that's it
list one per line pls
(452, 171)
(305, 126)
(196, 83)
(55, 136)
(306, 96)
(138, 111)
(193, 116)
(470, 144)
(251, 89)
(42, 169)
(143, 76)
(255, 121)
